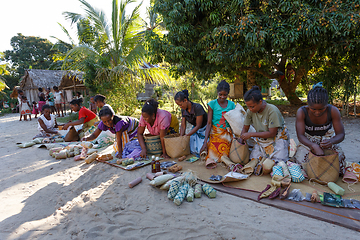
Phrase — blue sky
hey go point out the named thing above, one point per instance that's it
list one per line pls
(40, 17)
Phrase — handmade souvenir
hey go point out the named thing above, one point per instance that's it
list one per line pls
(61, 154)
(215, 178)
(135, 182)
(210, 163)
(25, 145)
(275, 193)
(70, 154)
(267, 191)
(259, 168)
(91, 158)
(190, 195)
(268, 165)
(190, 178)
(153, 145)
(192, 159)
(160, 180)
(91, 151)
(72, 135)
(239, 153)
(176, 145)
(284, 169)
(83, 153)
(181, 158)
(284, 194)
(249, 168)
(78, 158)
(336, 188)
(296, 195)
(166, 185)
(203, 155)
(150, 176)
(315, 197)
(180, 196)
(173, 190)
(76, 151)
(197, 190)
(323, 168)
(105, 157)
(86, 144)
(56, 149)
(159, 174)
(277, 170)
(209, 190)
(296, 174)
(127, 161)
(38, 140)
(349, 176)
(175, 168)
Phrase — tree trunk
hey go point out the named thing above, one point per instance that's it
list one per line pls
(289, 86)
(250, 79)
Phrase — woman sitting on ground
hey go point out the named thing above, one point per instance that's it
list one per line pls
(271, 136)
(158, 122)
(195, 114)
(86, 117)
(318, 127)
(217, 127)
(125, 129)
(46, 123)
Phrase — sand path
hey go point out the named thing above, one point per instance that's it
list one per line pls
(44, 198)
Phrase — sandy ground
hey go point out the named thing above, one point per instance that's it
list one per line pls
(43, 198)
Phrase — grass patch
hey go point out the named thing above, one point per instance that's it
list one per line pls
(73, 117)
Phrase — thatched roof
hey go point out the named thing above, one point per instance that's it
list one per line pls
(35, 78)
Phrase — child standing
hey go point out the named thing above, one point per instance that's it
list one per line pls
(20, 94)
(59, 98)
(25, 108)
(92, 105)
(35, 109)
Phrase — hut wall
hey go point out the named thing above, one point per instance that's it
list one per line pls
(31, 95)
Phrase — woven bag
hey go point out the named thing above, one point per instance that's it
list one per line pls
(72, 135)
(176, 145)
(323, 168)
(153, 145)
(239, 153)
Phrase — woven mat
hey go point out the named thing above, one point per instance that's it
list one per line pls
(258, 183)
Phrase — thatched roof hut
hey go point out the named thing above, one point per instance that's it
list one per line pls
(36, 78)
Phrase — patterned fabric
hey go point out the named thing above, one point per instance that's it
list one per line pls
(180, 196)
(132, 149)
(219, 143)
(197, 141)
(302, 152)
(190, 195)
(284, 169)
(296, 174)
(86, 128)
(276, 149)
(25, 109)
(209, 190)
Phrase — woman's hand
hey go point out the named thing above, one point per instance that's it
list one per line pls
(316, 149)
(326, 143)
(83, 139)
(240, 140)
(203, 148)
(143, 153)
(246, 136)
(66, 126)
(118, 155)
(164, 155)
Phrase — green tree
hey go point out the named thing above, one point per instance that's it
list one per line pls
(112, 54)
(259, 37)
(29, 51)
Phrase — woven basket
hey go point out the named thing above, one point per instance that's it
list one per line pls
(72, 135)
(177, 146)
(239, 153)
(323, 168)
(153, 145)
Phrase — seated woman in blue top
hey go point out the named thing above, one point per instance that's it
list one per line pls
(318, 127)
(125, 129)
(194, 114)
(217, 127)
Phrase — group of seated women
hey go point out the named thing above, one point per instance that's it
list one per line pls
(318, 126)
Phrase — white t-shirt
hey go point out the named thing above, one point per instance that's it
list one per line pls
(58, 96)
(48, 123)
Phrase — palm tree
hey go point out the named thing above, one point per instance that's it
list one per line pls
(112, 54)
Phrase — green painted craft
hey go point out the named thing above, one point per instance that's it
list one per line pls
(209, 190)
(180, 196)
(127, 162)
(173, 190)
(190, 195)
(197, 191)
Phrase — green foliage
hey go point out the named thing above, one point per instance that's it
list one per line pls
(228, 37)
(111, 53)
(29, 51)
(71, 117)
